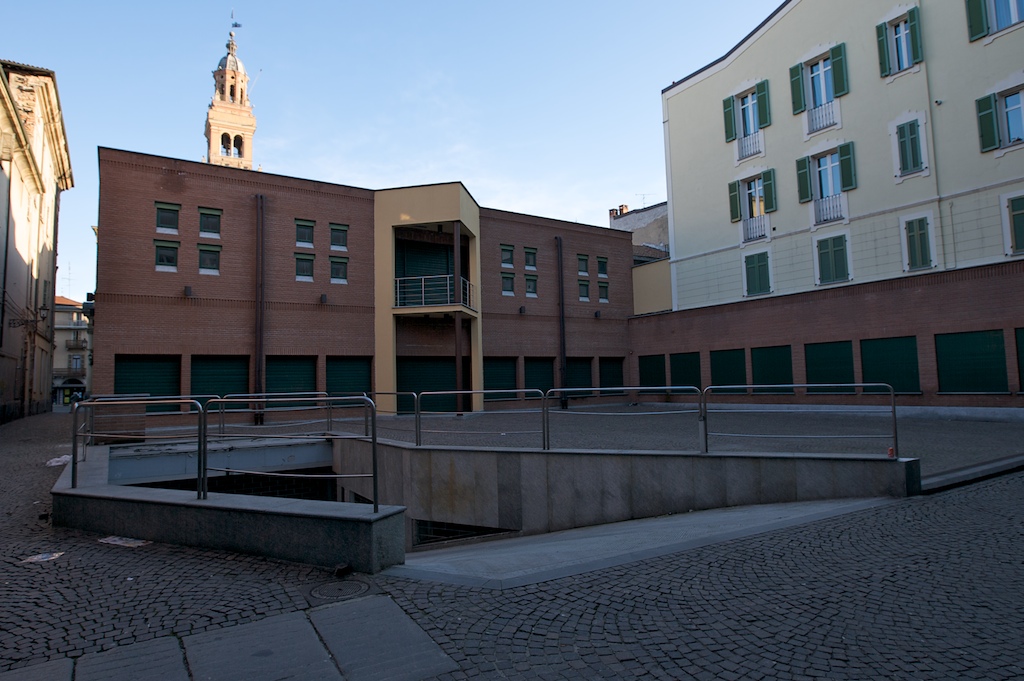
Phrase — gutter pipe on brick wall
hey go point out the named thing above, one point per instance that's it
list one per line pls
(260, 290)
(564, 400)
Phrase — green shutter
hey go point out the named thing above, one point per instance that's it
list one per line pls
(892, 361)
(847, 167)
(735, 210)
(500, 374)
(882, 34)
(977, 19)
(764, 109)
(803, 179)
(1017, 226)
(578, 374)
(757, 274)
(840, 79)
(772, 366)
(918, 249)
(909, 146)
(291, 374)
(685, 369)
(830, 364)
(730, 118)
(914, 26)
(771, 203)
(796, 88)
(1020, 360)
(988, 122)
(424, 374)
(610, 373)
(832, 265)
(153, 375)
(973, 362)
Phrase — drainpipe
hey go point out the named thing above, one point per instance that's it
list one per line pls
(561, 325)
(260, 297)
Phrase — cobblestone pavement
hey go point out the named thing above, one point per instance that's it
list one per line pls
(929, 588)
(926, 588)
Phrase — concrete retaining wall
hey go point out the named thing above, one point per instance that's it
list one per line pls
(533, 491)
(312, 532)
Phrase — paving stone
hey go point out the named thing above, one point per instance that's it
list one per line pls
(157, 660)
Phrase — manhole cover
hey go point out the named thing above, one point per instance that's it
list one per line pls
(338, 590)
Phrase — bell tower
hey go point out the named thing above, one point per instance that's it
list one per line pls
(230, 123)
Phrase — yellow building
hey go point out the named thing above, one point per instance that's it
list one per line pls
(72, 351)
(35, 167)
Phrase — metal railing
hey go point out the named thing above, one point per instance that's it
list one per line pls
(432, 291)
(821, 117)
(810, 389)
(749, 145)
(525, 393)
(828, 209)
(755, 228)
(76, 344)
(215, 404)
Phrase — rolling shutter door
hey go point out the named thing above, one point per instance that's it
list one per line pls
(348, 375)
(152, 375)
(220, 374)
(286, 374)
(422, 374)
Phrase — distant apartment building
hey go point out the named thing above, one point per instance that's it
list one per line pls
(36, 168)
(72, 348)
(846, 203)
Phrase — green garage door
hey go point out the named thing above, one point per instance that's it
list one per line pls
(220, 375)
(422, 374)
(539, 373)
(348, 375)
(291, 374)
(972, 362)
(728, 367)
(830, 364)
(610, 373)
(153, 375)
(499, 374)
(578, 374)
(652, 370)
(772, 366)
(892, 361)
(685, 368)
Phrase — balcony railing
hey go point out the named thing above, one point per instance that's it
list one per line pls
(433, 290)
(69, 372)
(755, 228)
(750, 145)
(828, 209)
(76, 344)
(821, 117)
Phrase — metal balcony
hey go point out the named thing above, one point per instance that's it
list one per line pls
(76, 344)
(432, 291)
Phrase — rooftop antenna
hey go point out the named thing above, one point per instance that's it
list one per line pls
(643, 197)
(234, 24)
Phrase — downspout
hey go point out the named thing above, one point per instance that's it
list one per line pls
(7, 245)
(260, 294)
(561, 325)
(457, 284)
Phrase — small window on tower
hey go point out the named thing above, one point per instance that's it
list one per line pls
(232, 93)
(225, 145)
(238, 147)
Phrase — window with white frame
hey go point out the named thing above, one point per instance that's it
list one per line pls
(917, 244)
(750, 201)
(909, 147)
(756, 274)
(1001, 119)
(815, 85)
(745, 115)
(988, 17)
(899, 43)
(824, 179)
(1015, 224)
(832, 263)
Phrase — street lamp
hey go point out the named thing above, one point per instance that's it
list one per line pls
(40, 315)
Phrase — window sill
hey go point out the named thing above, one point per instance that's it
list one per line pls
(215, 273)
(531, 295)
(1001, 32)
(166, 268)
(1003, 151)
(510, 294)
(339, 248)
(920, 172)
(507, 266)
(166, 230)
(602, 300)
(209, 235)
(339, 281)
(833, 283)
(584, 300)
(914, 68)
(299, 277)
(303, 244)
(531, 268)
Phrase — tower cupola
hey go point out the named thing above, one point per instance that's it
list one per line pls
(230, 123)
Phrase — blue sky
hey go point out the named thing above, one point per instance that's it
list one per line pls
(549, 108)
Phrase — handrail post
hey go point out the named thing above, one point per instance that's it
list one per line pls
(74, 445)
(373, 449)
(416, 410)
(366, 417)
(895, 442)
(330, 414)
(544, 425)
(702, 422)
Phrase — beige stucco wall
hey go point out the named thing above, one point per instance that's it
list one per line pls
(408, 206)
(652, 287)
(959, 189)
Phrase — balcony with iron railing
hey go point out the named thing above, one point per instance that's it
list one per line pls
(76, 344)
(821, 117)
(750, 145)
(755, 228)
(828, 209)
(433, 291)
(69, 372)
